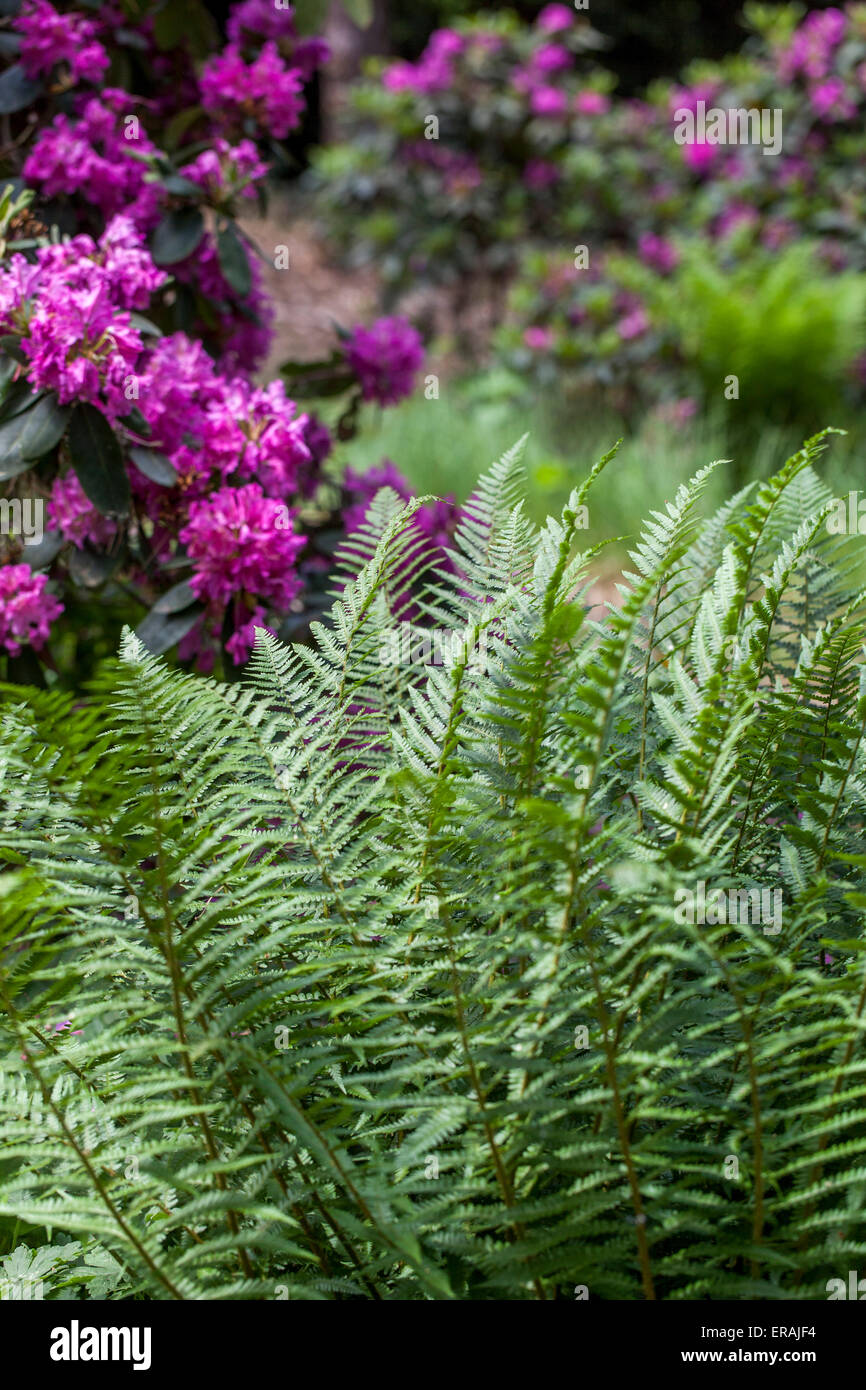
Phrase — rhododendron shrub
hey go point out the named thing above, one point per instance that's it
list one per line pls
(454, 158)
(178, 492)
(535, 157)
(650, 200)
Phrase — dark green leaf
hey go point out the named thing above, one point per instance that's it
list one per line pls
(25, 669)
(180, 124)
(98, 461)
(11, 345)
(177, 236)
(154, 465)
(17, 90)
(160, 631)
(187, 23)
(90, 569)
(144, 325)
(20, 397)
(40, 556)
(177, 184)
(31, 434)
(176, 599)
(234, 261)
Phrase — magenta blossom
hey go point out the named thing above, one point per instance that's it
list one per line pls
(97, 155)
(813, 44)
(26, 610)
(227, 170)
(242, 640)
(241, 542)
(49, 38)
(548, 101)
(829, 100)
(362, 487)
(592, 103)
(540, 173)
(538, 338)
(265, 89)
(385, 358)
(78, 337)
(656, 252)
(434, 71)
(261, 19)
(551, 57)
(554, 18)
(71, 512)
(633, 325)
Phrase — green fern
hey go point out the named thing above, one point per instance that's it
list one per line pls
(362, 979)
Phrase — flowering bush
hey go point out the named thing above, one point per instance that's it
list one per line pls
(646, 197)
(132, 322)
(530, 164)
(454, 158)
(686, 320)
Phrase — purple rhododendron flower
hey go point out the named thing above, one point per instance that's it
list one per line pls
(538, 338)
(656, 252)
(812, 45)
(554, 18)
(261, 18)
(829, 99)
(540, 173)
(551, 57)
(242, 640)
(227, 170)
(78, 337)
(49, 38)
(633, 324)
(385, 358)
(176, 383)
(434, 71)
(592, 103)
(91, 155)
(265, 89)
(71, 512)
(26, 610)
(241, 542)
(548, 101)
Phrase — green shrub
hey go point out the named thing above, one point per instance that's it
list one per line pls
(371, 979)
(788, 331)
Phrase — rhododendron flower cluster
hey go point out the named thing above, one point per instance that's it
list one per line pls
(266, 89)
(385, 358)
(813, 45)
(92, 155)
(243, 549)
(136, 324)
(49, 38)
(72, 309)
(26, 609)
(227, 170)
(242, 542)
(434, 71)
(518, 98)
(72, 513)
(255, 19)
